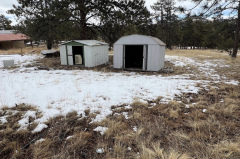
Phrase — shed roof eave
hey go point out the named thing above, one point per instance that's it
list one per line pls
(87, 42)
(152, 40)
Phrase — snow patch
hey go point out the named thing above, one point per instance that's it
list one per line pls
(3, 119)
(69, 137)
(135, 128)
(39, 128)
(100, 150)
(39, 141)
(100, 129)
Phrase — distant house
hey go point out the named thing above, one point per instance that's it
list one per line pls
(139, 52)
(198, 18)
(9, 40)
(86, 53)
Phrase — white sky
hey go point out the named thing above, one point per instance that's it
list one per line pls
(7, 4)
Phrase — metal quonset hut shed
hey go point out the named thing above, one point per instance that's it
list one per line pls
(88, 53)
(139, 52)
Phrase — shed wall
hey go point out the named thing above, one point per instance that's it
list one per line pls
(63, 56)
(118, 56)
(88, 56)
(162, 58)
(156, 57)
(14, 44)
(99, 55)
(153, 58)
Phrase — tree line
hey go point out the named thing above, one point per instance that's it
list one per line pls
(57, 20)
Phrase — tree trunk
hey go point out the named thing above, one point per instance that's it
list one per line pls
(83, 26)
(49, 44)
(235, 49)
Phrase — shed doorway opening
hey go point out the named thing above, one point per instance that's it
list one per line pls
(78, 55)
(134, 56)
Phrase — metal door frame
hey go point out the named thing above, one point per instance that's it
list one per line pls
(146, 59)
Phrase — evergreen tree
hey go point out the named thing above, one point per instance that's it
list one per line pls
(187, 28)
(225, 30)
(216, 8)
(83, 19)
(129, 17)
(167, 20)
(41, 19)
(5, 23)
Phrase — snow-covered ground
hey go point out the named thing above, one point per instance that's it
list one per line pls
(206, 67)
(58, 92)
(19, 60)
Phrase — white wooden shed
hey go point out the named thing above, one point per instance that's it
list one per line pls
(139, 52)
(88, 53)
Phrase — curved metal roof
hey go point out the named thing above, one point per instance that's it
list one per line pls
(139, 40)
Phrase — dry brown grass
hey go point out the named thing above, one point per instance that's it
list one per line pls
(202, 56)
(50, 62)
(30, 50)
(163, 131)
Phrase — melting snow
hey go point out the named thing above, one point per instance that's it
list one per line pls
(69, 137)
(3, 119)
(39, 128)
(60, 92)
(101, 150)
(39, 141)
(101, 129)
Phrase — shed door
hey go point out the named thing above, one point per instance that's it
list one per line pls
(63, 55)
(69, 50)
(144, 57)
(70, 55)
(124, 54)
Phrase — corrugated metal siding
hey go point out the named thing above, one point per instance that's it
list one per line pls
(69, 49)
(69, 52)
(99, 55)
(162, 57)
(70, 60)
(153, 58)
(88, 56)
(118, 56)
(63, 56)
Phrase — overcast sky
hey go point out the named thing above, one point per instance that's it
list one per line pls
(7, 4)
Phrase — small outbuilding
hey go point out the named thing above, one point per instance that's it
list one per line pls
(139, 52)
(9, 40)
(87, 53)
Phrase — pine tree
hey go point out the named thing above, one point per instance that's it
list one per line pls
(96, 14)
(167, 20)
(216, 8)
(41, 19)
(5, 23)
(83, 19)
